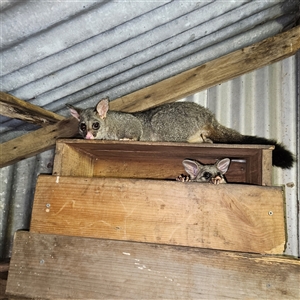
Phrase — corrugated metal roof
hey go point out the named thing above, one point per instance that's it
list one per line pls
(78, 51)
(78, 54)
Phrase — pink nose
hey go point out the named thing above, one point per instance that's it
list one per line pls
(89, 136)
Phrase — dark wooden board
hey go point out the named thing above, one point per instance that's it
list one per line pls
(62, 267)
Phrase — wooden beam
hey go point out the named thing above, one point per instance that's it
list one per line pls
(64, 267)
(212, 73)
(4, 266)
(13, 107)
(37, 141)
(228, 217)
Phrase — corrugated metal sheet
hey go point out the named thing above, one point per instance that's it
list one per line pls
(76, 52)
(113, 48)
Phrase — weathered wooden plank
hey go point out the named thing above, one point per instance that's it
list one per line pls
(212, 73)
(228, 217)
(35, 142)
(53, 266)
(13, 107)
(4, 265)
(2, 288)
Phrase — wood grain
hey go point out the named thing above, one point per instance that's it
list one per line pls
(13, 107)
(212, 73)
(159, 160)
(53, 266)
(229, 217)
(74, 161)
(35, 142)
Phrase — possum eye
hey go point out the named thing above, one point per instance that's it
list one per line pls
(96, 125)
(207, 175)
(83, 127)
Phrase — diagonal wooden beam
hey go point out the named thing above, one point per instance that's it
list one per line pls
(212, 73)
(37, 141)
(12, 107)
(187, 83)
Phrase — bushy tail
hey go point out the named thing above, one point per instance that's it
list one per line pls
(281, 157)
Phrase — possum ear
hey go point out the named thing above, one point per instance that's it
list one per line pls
(102, 107)
(223, 165)
(75, 112)
(192, 167)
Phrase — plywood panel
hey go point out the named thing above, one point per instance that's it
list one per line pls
(230, 217)
(52, 266)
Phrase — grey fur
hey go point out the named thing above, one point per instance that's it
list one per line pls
(212, 173)
(173, 122)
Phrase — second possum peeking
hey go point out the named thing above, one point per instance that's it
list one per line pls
(172, 122)
(213, 173)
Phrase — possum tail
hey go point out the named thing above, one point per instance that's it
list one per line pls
(281, 157)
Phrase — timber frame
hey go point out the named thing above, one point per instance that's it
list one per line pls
(174, 88)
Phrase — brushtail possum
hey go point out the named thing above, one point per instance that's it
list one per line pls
(172, 122)
(213, 173)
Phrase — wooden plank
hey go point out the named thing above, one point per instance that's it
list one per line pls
(13, 107)
(35, 142)
(266, 167)
(229, 217)
(53, 266)
(72, 162)
(4, 265)
(212, 73)
(2, 288)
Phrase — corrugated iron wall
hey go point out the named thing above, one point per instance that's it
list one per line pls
(63, 51)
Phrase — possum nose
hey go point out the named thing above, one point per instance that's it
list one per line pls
(89, 136)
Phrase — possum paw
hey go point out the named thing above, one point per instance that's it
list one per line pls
(216, 180)
(183, 178)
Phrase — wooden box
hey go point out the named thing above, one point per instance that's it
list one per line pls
(155, 160)
(112, 222)
(127, 191)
